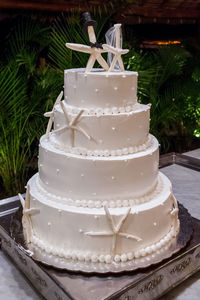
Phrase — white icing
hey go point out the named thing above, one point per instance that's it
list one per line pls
(107, 152)
(111, 202)
(106, 110)
(113, 130)
(98, 196)
(78, 235)
(97, 79)
(98, 173)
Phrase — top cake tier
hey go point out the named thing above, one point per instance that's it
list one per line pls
(100, 89)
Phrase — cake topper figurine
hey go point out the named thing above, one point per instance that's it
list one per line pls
(95, 49)
(27, 212)
(50, 114)
(117, 50)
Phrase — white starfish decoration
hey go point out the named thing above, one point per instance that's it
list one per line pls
(50, 114)
(115, 230)
(95, 52)
(27, 212)
(174, 211)
(72, 124)
(117, 51)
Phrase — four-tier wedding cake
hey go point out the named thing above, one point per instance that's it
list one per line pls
(98, 196)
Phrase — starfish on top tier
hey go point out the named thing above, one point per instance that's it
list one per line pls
(117, 51)
(95, 54)
(27, 212)
(95, 50)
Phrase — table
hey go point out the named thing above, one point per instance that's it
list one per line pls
(186, 187)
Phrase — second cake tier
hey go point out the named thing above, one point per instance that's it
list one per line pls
(100, 133)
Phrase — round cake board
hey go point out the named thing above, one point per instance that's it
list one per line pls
(175, 245)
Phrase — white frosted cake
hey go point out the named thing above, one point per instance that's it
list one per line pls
(98, 198)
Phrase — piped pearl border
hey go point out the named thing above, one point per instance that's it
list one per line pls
(100, 111)
(154, 192)
(89, 257)
(106, 152)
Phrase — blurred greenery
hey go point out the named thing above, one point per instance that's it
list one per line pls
(169, 80)
(32, 61)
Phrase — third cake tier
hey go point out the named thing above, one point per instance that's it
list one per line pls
(112, 178)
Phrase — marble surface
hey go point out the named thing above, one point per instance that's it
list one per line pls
(13, 285)
(186, 186)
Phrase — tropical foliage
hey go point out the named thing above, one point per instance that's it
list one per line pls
(169, 80)
(31, 77)
(27, 89)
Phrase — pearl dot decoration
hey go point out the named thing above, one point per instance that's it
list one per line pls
(129, 108)
(117, 258)
(108, 259)
(142, 254)
(123, 257)
(156, 190)
(101, 258)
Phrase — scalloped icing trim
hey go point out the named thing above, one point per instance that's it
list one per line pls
(104, 153)
(131, 108)
(107, 258)
(154, 192)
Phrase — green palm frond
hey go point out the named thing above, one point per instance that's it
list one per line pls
(172, 61)
(28, 34)
(12, 89)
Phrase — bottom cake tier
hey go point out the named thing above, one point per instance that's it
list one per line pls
(103, 235)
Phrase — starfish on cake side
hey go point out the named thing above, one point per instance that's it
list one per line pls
(174, 210)
(27, 213)
(115, 230)
(50, 114)
(72, 124)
